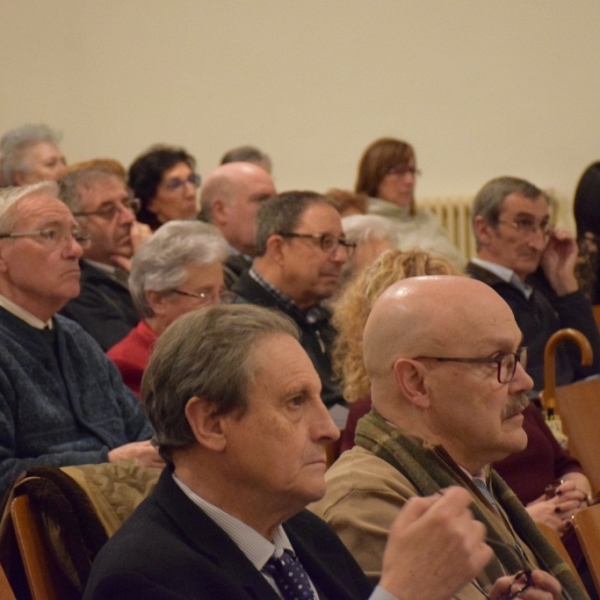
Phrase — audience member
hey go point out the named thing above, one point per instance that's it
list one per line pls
(586, 209)
(165, 182)
(387, 173)
(440, 418)
(245, 454)
(350, 312)
(230, 199)
(300, 252)
(532, 267)
(177, 270)
(62, 401)
(249, 154)
(29, 154)
(349, 203)
(100, 200)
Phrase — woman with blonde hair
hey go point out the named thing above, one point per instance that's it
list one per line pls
(350, 314)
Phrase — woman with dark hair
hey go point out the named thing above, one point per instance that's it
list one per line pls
(587, 217)
(387, 173)
(164, 181)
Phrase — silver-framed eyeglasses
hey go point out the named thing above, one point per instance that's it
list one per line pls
(109, 211)
(329, 243)
(527, 227)
(52, 237)
(507, 362)
(224, 296)
(176, 183)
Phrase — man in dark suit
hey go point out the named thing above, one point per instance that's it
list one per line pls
(237, 414)
(100, 200)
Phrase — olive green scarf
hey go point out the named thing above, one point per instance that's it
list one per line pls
(430, 469)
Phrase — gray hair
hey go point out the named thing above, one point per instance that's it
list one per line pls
(15, 143)
(70, 184)
(207, 353)
(11, 195)
(282, 213)
(160, 263)
(248, 154)
(359, 229)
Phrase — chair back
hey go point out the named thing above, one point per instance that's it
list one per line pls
(587, 527)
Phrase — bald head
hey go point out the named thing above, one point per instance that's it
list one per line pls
(231, 196)
(471, 407)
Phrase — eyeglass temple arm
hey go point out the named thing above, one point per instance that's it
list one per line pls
(549, 396)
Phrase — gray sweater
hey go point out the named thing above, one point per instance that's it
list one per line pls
(62, 401)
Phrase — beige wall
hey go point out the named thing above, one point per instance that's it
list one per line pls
(480, 87)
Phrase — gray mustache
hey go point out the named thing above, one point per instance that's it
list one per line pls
(516, 404)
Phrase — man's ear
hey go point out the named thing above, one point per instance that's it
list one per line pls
(205, 424)
(275, 246)
(483, 230)
(218, 212)
(410, 380)
(19, 178)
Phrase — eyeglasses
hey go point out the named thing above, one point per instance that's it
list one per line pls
(526, 227)
(175, 183)
(507, 362)
(53, 237)
(403, 170)
(109, 211)
(329, 243)
(224, 296)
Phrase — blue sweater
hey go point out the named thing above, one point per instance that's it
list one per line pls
(62, 401)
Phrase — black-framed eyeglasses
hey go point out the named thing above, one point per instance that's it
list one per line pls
(109, 211)
(507, 362)
(526, 227)
(52, 237)
(224, 296)
(403, 170)
(329, 243)
(175, 183)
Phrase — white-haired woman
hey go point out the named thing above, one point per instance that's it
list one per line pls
(176, 271)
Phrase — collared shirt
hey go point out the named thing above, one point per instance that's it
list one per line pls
(24, 315)
(312, 315)
(257, 549)
(235, 252)
(505, 274)
(115, 273)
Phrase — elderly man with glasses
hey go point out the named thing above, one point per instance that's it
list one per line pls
(300, 252)
(97, 195)
(532, 266)
(62, 401)
(448, 384)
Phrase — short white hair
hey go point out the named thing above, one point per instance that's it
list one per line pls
(10, 195)
(359, 229)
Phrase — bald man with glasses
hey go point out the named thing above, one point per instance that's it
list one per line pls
(532, 266)
(100, 200)
(448, 383)
(62, 401)
(300, 252)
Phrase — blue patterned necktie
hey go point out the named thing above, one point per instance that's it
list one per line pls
(484, 490)
(290, 577)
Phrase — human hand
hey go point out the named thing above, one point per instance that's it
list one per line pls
(556, 511)
(542, 587)
(558, 262)
(143, 453)
(139, 233)
(435, 547)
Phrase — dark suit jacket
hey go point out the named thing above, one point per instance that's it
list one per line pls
(170, 550)
(233, 266)
(104, 308)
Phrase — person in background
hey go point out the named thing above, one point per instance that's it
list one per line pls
(249, 154)
(62, 401)
(387, 173)
(177, 270)
(230, 199)
(349, 203)
(586, 209)
(29, 154)
(166, 184)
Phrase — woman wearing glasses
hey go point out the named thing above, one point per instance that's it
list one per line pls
(176, 271)
(164, 180)
(387, 173)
